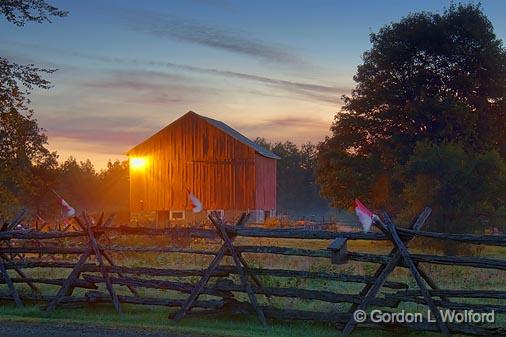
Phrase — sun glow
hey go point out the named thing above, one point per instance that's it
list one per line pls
(137, 163)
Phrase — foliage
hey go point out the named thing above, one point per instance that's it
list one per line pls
(438, 78)
(19, 12)
(25, 161)
(297, 191)
(88, 190)
(465, 189)
(26, 165)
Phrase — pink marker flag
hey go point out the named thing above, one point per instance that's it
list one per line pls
(365, 216)
(67, 210)
(196, 203)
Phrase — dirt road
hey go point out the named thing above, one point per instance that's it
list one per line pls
(56, 329)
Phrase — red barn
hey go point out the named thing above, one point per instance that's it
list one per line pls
(225, 170)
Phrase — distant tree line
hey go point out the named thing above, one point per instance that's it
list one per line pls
(297, 191)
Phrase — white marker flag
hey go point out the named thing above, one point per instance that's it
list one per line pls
(365, 216)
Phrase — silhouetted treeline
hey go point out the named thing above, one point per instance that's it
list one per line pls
(78, 183)
(297, 192)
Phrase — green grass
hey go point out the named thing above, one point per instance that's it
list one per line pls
(156, 318)
(447, 277)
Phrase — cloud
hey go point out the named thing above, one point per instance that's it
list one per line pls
(319, 92)
(139, 86)
(107, 133)
(186, 30)
(288, 123)
(296, 129)
(313, 91)
(118, 109)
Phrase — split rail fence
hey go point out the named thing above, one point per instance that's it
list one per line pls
(230, 284)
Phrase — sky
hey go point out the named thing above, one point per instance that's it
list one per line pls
(272, 69)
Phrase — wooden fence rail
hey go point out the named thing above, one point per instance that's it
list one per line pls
(99, 277)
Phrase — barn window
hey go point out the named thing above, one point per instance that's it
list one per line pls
(176, 215)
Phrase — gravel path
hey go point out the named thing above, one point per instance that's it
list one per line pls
(55, 329)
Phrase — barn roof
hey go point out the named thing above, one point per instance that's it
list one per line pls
(240, 137)
(232, 133)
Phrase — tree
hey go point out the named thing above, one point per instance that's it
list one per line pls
(439, 78)
(25, 162)
(297, 191)
(19, 12)
(78, 184)
(115, 189)
(466, 189)
(26, 165)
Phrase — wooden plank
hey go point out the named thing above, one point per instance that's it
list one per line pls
(221, 228)
(36, 235)
(98, 297)
(25, 277)
(316, 275)
(495, 294)
(416, 274)
(103, 271)
(70, 281)
(17, 220)
(467, 261)
(111, 262)
(222, 271)
(429, 280)
(249, 271)
(492, 240)
(53, 281)
(183, 287)
(208, 273)
(370, 291)
(416, 225)
(101, 223)
(20, 272)
(5, 258)
(200, 285)
(13, 292)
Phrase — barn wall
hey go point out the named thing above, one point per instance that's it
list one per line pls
(265, 182)
(191, 153)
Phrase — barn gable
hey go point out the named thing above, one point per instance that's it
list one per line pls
(219, 125)
(223, 168)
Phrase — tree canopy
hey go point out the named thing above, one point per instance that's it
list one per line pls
(26, 165)
(436, 78)
(19, 12)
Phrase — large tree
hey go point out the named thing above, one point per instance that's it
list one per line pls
(26, 165)
(438, 78)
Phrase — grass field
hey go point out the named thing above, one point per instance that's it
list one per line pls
(156, 318)
(447, 277)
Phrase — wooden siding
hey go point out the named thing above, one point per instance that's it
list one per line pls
(265, 183)
(191, 153)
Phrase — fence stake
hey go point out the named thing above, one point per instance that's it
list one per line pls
(226, 247)
(370, 291)
(247, 286)
(416, 274)
(12, 289)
